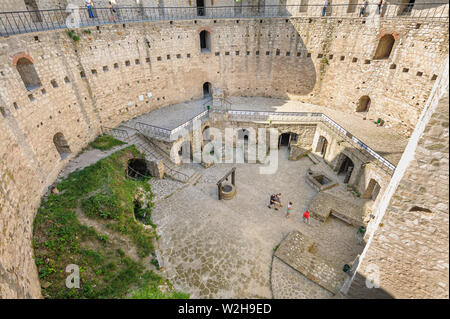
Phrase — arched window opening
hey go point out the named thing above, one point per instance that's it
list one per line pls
(33, 9)
(61, 145)
(206, 134)
(185, 151)
(346, 168)
(243, 134)
(28, 74)
(352, 4)
(384, 47)
(206, 89)
(372, 190)
(363, 104)
(205, 41)
(406, 7)
(200, 7)
(322, 146)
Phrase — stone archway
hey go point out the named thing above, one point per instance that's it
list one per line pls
(372, 190)
(61, 145)
(384, 47)
(363, 104)
(28, 73)
(207, 88)
(345, 168)
(322, 146)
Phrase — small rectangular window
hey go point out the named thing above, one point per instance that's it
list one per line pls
(54, 83)
(105, 68)
(127, 63)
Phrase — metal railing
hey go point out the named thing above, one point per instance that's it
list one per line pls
(115, 132)
(18, 22)
(153, 131)
(245, 115)
(175, 133)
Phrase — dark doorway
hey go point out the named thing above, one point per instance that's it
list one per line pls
(363, 104)
(206, 89)
(286, 139)
(185, 152)
(372, 190)
(137, 168)
(384, 47)
(61, 145)
(200, 7)
(205, 41)
(346, 168)
(322, 146)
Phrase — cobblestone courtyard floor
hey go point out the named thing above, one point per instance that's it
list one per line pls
(223, 249)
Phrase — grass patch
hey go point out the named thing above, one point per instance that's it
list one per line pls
(105, 142)
(59, 239)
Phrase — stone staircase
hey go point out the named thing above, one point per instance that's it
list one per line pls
(153, 153)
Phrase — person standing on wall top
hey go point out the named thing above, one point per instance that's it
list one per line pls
(362, 10)
(380, 3)
(112, 10)
(88, 5)
(325, 4)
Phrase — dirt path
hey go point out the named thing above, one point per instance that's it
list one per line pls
(114, 238)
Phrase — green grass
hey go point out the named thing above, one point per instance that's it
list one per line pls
(59, 239)
(105, 142)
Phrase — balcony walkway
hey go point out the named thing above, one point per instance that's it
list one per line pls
(19, 22)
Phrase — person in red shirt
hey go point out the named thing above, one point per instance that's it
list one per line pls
(306, 217)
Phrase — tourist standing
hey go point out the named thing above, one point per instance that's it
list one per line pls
(278, 199)
(324, 8)
(306, 217)
(272, 201)
(380, 3)
(288, 209)
(362, 10)
(88, 5)
(112, 10)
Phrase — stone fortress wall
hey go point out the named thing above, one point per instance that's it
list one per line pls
(106, 77)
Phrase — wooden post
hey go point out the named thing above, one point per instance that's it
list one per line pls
(220, 190)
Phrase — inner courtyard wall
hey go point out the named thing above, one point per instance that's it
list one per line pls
(159, 64)
(407, 251)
